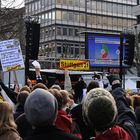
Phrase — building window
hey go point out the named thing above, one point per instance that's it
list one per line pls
(70, 31)
(59, 31)
(58, 15)
(53, 15)
(76, 3)
(76, 52)
(58, 1)
(70, 16)
(64, 31)
(71, 50)
(76, 32)
(58, 49)
(64, 16)
(82, 18)
(76, 17)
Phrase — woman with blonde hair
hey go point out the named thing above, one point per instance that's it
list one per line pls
(7, 125)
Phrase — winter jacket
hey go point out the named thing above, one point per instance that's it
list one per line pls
(50, 133)
(65, 122)
(84, 129)
(24, 128)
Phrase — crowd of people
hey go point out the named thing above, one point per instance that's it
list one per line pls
(79, 112)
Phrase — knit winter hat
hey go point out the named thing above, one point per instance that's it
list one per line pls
(41, 107)
(99, 109)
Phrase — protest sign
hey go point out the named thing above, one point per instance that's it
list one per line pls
(11, 55)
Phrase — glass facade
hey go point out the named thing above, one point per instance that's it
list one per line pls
(64, 21)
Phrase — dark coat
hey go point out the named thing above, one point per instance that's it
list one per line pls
(50, 133)
(10, 93)
(126, 117)
(24, 128)
(19, 111)
(77, 116)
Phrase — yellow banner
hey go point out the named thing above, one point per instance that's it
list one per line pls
(71, 64)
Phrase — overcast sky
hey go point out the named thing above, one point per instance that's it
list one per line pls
(12, 3)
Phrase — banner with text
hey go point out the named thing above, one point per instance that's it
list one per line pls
(72, 64)
(11, 55)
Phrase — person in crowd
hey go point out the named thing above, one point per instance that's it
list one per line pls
(93, 84)
(67, 82)
(136, 101)
(109, 114)
(78, 89)
(55, 87)
(39, 103)
(21, 98)
(29, 83)
(25, 88)
(71, 103)
(76, 112)
(136, 107)
(24, 128)
(97, 77)
(10, 93)
(64, 120)
(7, 125)
(40, 85)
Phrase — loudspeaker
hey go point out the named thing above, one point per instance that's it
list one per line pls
(138, 84)
(32, 39)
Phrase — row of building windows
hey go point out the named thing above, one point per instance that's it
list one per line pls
(83, 2)
(62, 49)
(94, 21)
(75, 18)
(77, 2)
(49, 33)
(123, 1)
(92, 7)
(113, 8)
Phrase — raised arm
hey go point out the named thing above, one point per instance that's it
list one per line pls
(126, 117)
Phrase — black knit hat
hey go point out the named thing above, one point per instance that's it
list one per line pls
(112, 78)
(99, 109)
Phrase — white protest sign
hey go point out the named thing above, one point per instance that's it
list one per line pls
(11, 55)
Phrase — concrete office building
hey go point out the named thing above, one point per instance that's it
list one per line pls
(63, 23)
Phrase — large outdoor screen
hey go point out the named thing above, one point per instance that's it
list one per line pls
(103, 50)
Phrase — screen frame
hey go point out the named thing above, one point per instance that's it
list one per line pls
(87, 34)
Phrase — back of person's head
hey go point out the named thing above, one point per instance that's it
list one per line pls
(99, 109)
(21, 97)
(40, 85)
(41, 108)
(56, 87)
(92, 85)
(65, 97)
(97, 77)
(6, 116)
(56, 93)
(25, 88)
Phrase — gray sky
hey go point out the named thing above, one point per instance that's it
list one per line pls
(12, 3)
